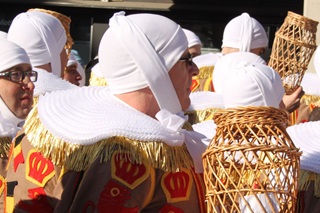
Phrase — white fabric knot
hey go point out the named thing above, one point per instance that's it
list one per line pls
(171, 121)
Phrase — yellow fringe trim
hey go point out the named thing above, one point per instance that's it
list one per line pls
(205, 72)
(97, 81)
(197, 116)
(310, 99)
(5, 144)
(35, 101)
(304, 181)
(77, 157)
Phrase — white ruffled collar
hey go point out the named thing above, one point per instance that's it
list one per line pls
(9, 123)
(84, 116)
(48, 82)
(306, 137)
(94, 114)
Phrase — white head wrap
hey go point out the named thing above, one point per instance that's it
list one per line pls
(42, 36)
(135, 54)
(316, 61)
(226, 62)
(193, 39)
(252, 85)
(3, 35)
(72, 60)
(10, 55)
(245, 33)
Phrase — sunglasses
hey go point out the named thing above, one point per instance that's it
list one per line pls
(188, 59)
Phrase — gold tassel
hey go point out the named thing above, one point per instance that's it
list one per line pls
(304, 181)
(205, 72)
(197, 116)
(97, 81)
(310, 99)
(5, 144)
(77, 157)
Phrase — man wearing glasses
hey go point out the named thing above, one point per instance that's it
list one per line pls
(16, 97)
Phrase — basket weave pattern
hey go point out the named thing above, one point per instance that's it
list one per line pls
(251, 156)
(292, 49)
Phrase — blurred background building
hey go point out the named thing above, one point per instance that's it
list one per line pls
(207, 18)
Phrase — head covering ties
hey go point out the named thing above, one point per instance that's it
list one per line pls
(42, 36)
(192, 38)
(134, 54)
(252, 85)
(245, 33)
(10, 55)
(225, 63)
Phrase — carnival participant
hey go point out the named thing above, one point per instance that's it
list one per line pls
(130, 152)
(194, 43)
(16, 98)
(250, 128)
(74, 72)
(242, 34)
(46, 49)
(253, 38)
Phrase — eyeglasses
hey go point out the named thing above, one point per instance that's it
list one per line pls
(188, 59)
(19, 75)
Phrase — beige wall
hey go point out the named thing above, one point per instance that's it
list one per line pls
(311, 10)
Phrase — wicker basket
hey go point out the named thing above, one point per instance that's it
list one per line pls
(292, 49)
(65, 21)
(251, 165)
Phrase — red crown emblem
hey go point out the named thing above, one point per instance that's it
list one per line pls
(177, 186)
(39, 169)
(129, 174)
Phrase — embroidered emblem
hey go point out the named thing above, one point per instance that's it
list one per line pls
(170, 209)
(127, 173)
(18, 157)
(39, 169)
(89, 206)
(9, 200)
(39, 202)
(113, 197)
(195, 84)
(177, 185)
(208, 84)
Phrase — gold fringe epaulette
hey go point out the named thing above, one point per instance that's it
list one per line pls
(97, 81)
(197, 116)
(35, 101)
(310, 99)
(78, 157)
(5, 144)
(205, 72)
(306, 177)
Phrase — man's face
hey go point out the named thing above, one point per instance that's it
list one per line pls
(181, 76)
(72, 75)
(63, 60)
(18, 96)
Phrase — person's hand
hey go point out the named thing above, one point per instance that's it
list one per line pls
(292, 102)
